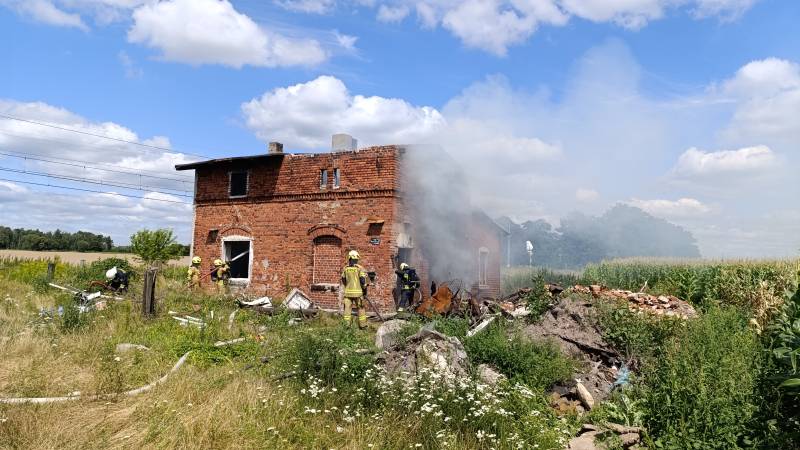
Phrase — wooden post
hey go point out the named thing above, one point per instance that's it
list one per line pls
(149, 293)
(51, 270)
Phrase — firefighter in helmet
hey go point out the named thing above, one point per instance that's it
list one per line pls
(354, 279)
(193, 274)
(408, 282)
(220, 275)
(117, 279)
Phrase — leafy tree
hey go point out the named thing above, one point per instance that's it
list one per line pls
(155, 247)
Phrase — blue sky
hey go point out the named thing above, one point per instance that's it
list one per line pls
(682, 107)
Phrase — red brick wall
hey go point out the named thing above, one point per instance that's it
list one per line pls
(483, 233)
(285, 211)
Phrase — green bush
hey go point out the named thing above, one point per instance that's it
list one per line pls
(536, 364)
(538, 300)
(634, 335)
(701, 390)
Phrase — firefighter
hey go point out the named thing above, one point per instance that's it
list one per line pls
(220, 275)
(408, 282)
(354, 279)
(117, 279)
(193, 274)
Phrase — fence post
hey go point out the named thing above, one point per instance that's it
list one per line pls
(51, 270)
(149, 293)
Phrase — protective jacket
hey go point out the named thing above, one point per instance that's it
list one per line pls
(221, 273)
(354, 279)
(120, 281)
(193, 276)
(408, 279)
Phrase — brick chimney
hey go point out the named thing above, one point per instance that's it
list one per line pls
(275, 147)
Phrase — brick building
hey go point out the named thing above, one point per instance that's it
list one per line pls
(297, 216)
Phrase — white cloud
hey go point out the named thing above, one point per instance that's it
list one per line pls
(308, 6)
(671, 209)
(586, 195)
(627, 13)
(345, 41)
(767, 97)
(45, 11)
(213, 32)
(392, 14)
(48, 143)
(146, 172)
(725, 9)
(694, 162)
(108, 214)
(495, 25)
(486, 25)
(307, 114)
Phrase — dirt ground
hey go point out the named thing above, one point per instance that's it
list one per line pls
(76, 257)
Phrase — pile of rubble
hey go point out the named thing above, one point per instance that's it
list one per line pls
(666, 305)
(569, 325)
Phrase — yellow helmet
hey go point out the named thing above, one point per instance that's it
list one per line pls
(218, 262)
(353, 255)
(403, 266)
(196, 260)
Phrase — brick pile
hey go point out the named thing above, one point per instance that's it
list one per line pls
(662, 305)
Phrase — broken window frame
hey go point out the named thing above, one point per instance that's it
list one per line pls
(323, 178)
(227, 239)
(246, 183)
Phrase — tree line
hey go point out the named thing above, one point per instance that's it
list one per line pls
(622, 231)
(81, 241)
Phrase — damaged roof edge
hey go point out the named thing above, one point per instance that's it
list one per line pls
(482, 214)
(233, 159)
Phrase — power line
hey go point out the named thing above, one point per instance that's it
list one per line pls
(96, 192)
(101, 183)
(72, 130)
(86, 166)
(81, 145)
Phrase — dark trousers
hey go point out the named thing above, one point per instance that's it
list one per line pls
(406, 298)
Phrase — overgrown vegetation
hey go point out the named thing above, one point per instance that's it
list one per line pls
(535, 364)
(717, 381)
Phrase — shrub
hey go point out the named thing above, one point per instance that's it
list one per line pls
(701, 391)
(538, 300)
(155, 246)
(537, 364)
(635, 335)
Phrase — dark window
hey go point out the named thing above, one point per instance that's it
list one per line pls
(240, 267)
(323, 178)
(336, 178)
(238, 184)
